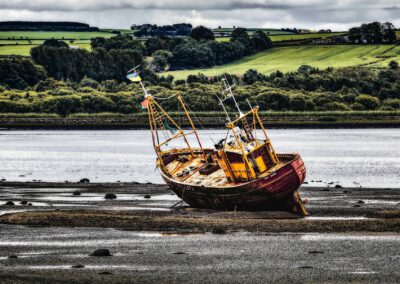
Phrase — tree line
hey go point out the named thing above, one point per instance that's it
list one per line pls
(201, 50)
(149, 30)
(307, 89)
(374, 33)
(45, 26)
(111, 58)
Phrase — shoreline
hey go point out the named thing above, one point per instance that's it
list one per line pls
(150, 207)
(140, 120)
(129, 126)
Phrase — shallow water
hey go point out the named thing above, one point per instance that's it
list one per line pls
(349, 157)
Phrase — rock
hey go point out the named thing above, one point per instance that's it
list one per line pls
(179, 252)
(78, 266)
(330, 182)
(326, 189)
(29, 204)
(84, 180)
(315, 251)
(9, 203)
(105, 273)
(3, 179)
(110, 196)
(338, 186)
(346, 191)
(306, 267)
(100, 253)
(24, 202)
(218, 231)
(13, 256)
(147, 196)
(305, 182)
(360, 202)
(76, 193)
(357, 205)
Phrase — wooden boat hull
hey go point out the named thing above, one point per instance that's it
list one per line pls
(264, 193)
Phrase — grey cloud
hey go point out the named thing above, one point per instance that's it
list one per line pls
(313, 14)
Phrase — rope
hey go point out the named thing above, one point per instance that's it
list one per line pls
(198, 120)
(162, 99)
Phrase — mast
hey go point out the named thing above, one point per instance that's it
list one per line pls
(228, 89)
(159, 118)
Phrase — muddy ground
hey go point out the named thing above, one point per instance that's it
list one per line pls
(352, 234)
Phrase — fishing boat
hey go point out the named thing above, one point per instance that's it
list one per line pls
(241, 172)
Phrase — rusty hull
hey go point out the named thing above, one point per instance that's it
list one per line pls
(270, 191)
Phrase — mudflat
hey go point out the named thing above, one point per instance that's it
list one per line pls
(352, 234)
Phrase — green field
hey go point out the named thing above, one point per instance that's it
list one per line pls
(277, 38)
(251, 30)
(24, 49)
(290, 58)
(20, 42)
(288, 37)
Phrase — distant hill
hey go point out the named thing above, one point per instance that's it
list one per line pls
(45, 26)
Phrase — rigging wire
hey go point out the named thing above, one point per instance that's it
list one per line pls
(198, 120)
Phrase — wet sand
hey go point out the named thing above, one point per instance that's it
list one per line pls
(352, 234)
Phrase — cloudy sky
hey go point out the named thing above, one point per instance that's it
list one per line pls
(312, 14)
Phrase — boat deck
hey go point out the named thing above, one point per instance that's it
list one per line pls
(189, 173)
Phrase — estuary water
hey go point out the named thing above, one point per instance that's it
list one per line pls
(349, 157)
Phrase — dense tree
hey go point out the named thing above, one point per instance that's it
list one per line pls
(261, 41)
(393, 64)
(192, 54)
(149, 30)
(118, 42)
(389, 32)
(369, 102)
(202, 33)
(45, 26)
(373, 33)
(241, 35)
(155, 43)
(74, 64)
(251, 76)
(161, 60)
(55, 43)
(20, 73)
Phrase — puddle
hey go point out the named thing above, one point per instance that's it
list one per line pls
(363, 272)
(3, 212)
(136, 208)
(334, 218)
(377, 201)
(343, 237)
(91, 267)
(87, 197)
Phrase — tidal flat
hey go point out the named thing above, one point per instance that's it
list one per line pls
(352, 234)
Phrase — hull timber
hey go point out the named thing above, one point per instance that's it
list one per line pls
(260, 194)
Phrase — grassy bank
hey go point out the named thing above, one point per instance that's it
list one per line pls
(207, 119)
(287, 59)
(21, 42)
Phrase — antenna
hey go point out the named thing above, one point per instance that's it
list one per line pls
(249, 103)
(223, 107)
(228, 89)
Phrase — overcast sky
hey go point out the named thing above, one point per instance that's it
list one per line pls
(312, 14)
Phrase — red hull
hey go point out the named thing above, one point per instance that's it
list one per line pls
(262, 193)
